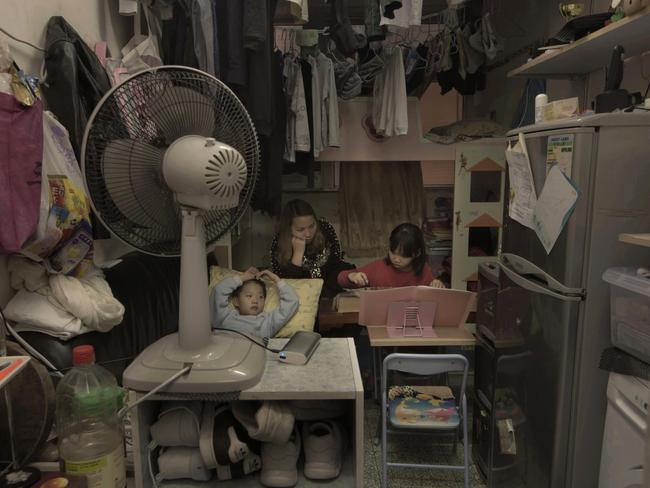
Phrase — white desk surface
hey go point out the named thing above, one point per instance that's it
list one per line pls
(331, 373)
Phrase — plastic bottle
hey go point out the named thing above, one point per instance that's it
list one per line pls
(540, 101)
(91, 440)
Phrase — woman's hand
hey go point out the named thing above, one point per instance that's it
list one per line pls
(272, 276)
(358, 278)
(298, 244)
(436, 283)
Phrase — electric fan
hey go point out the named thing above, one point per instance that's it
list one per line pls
(170, 159)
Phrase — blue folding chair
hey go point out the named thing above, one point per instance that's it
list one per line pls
(424, 413)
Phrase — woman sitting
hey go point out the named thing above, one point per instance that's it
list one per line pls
(307, 247)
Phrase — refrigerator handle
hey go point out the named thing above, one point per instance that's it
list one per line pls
(535, 288)
(524, 267)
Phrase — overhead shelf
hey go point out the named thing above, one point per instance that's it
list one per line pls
(638, 239)
(593, 51)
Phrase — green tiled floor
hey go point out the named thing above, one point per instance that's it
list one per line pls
(412, 449)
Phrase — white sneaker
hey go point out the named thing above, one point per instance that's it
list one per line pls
(279, 462)
(324, 443)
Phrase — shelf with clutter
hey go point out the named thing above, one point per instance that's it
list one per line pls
(591, 52)
(330, 378)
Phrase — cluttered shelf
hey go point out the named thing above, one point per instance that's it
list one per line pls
(638, 239)
(592, 51)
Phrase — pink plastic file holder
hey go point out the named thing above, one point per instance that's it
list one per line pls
(411, 319)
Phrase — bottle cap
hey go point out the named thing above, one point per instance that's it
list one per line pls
(83, 355)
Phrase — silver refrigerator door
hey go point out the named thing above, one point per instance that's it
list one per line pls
(545, 320)
(563, 262)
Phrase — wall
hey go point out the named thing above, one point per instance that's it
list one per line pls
(95, 20)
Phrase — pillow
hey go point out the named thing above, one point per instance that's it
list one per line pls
(308, 291)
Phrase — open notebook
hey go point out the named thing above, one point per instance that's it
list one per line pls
(452, 306)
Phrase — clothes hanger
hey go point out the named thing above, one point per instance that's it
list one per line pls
(21, 41)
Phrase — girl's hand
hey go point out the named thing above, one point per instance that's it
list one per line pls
(249, 274)
(272, 276)
(437, 284)
(358, 278)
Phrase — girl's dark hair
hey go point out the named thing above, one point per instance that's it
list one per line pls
(292, 209)
(407, 239)
(239, 289)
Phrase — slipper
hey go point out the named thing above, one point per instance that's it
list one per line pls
(268, 421)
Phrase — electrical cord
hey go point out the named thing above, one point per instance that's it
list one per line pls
(254, 341)
(169, 380)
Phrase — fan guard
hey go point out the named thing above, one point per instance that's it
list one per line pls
(126, 139)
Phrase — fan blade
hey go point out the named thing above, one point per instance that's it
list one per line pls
(179, 111)
(132, 171)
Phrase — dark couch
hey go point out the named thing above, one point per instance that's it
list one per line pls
(147, 286)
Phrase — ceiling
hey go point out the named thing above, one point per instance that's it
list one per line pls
(320, 13)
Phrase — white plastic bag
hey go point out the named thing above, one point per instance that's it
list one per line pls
(63, 237)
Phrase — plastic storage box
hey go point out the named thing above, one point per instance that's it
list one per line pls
(630, 311)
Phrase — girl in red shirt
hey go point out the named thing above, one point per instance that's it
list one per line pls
(405, 264)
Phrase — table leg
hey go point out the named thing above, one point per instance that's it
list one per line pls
(376, 372)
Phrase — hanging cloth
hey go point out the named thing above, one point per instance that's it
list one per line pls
(390, 113)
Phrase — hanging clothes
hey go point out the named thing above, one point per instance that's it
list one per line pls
(330, 102)
(317, 107)
(389, 109)
(258, 40)
(177, 44)
(268, 193)
(297, 134)
(203, 29)
(410, 13)
(76, 80)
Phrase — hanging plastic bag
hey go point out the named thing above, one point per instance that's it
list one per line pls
(21, 150)
(63, 238)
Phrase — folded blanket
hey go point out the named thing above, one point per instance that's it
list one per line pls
(31, 311)
(59, 304)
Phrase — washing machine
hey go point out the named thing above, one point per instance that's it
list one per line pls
(622, 457)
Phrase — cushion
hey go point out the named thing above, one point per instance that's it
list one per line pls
(410, 408)
(308, 291)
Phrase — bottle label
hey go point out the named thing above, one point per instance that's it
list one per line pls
(104, 472)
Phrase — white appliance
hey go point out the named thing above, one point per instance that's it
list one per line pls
(621, 463)
(559, 302)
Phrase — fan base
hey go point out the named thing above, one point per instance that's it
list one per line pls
(228, 363)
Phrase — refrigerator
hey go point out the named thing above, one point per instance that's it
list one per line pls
(559, 303)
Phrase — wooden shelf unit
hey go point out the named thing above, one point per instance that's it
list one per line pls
(592, 51)
(637, 239)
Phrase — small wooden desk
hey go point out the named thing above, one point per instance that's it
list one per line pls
(329, 318)
(446, 336)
